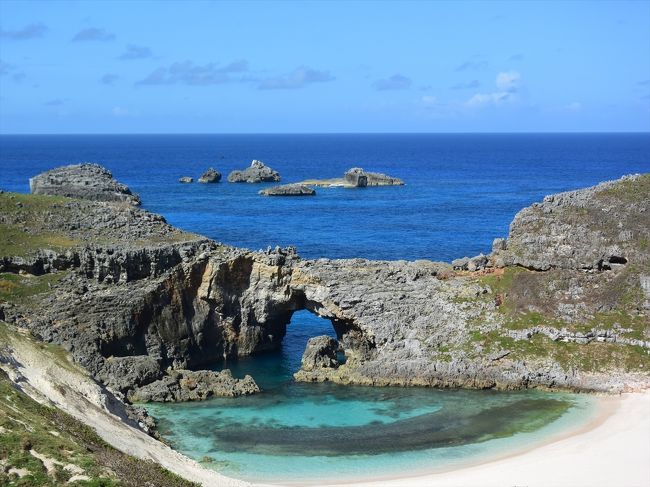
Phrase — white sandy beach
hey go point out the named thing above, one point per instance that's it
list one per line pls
(611, 451)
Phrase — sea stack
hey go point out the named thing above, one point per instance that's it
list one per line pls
(258, 172)
(210, 176)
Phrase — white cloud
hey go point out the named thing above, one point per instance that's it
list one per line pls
(484, 99)
(508, 81)
(507, 84)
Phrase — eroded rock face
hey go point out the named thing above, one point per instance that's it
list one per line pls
(289, 190)
(258, 172)
(187, 302)
(594, 228)
(210, 176)
(188, 385)
(360, 178)
(320, 353)
(85, 181)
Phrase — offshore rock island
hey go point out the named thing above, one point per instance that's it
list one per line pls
(563, 302)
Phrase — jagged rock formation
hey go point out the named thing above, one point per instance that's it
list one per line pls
(288, 190)
(258, 172)
(86, 181)
(187, 385)
(210, 176)
(320, 352)
(186, 179)
(594, 228)
(133, 297)
(356, 178)
(359, 178)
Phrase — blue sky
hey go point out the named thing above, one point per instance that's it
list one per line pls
(251, 67)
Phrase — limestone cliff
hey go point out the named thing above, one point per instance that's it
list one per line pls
(131, 297)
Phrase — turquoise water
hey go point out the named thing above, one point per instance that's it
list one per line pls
(462, 191)
(296, 432)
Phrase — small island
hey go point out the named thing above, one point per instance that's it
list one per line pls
(288, 190)
(356, 178)
(257, 172)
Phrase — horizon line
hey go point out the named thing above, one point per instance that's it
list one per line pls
(568, 132)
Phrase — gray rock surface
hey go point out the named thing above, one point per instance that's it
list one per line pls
(584, 229)
(86, 181)
(356, 177)
(320, 353)
(288, 190)
(137, 297)
(186, 179)
(258, 172)
(210, 176)
(187, 385)
(360, 178)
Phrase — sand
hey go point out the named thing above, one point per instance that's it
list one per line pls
(612, 450)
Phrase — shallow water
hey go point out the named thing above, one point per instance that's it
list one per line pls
(462, 191)
(296, 432)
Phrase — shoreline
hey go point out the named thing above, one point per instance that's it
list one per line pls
(617, 437)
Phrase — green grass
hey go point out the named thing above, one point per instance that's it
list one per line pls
(27, 425)
(15, 241)
(629, 191)
(16, 288)
(591, 357)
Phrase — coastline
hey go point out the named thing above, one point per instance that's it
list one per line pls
(617, 437)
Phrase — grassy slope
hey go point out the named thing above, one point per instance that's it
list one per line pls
(27, 425)
(590, 357)
(26, 226)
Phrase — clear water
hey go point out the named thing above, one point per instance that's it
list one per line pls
(295, 432)
(462, 190)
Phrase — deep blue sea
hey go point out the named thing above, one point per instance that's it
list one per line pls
(461, 192)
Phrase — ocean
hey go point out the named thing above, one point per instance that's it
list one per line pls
(462, 191)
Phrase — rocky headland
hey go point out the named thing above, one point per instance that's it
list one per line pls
(562, 302)
(87, 181)
(257, 172)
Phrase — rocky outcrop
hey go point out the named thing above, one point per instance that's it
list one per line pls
(187, 303)
(186, 179)
(356, 178)
(210, 176)
(321, 352)
(288, 190)
(85, 181)
(258, 172)
(187, 385)
(595, 228)
(359, 178)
